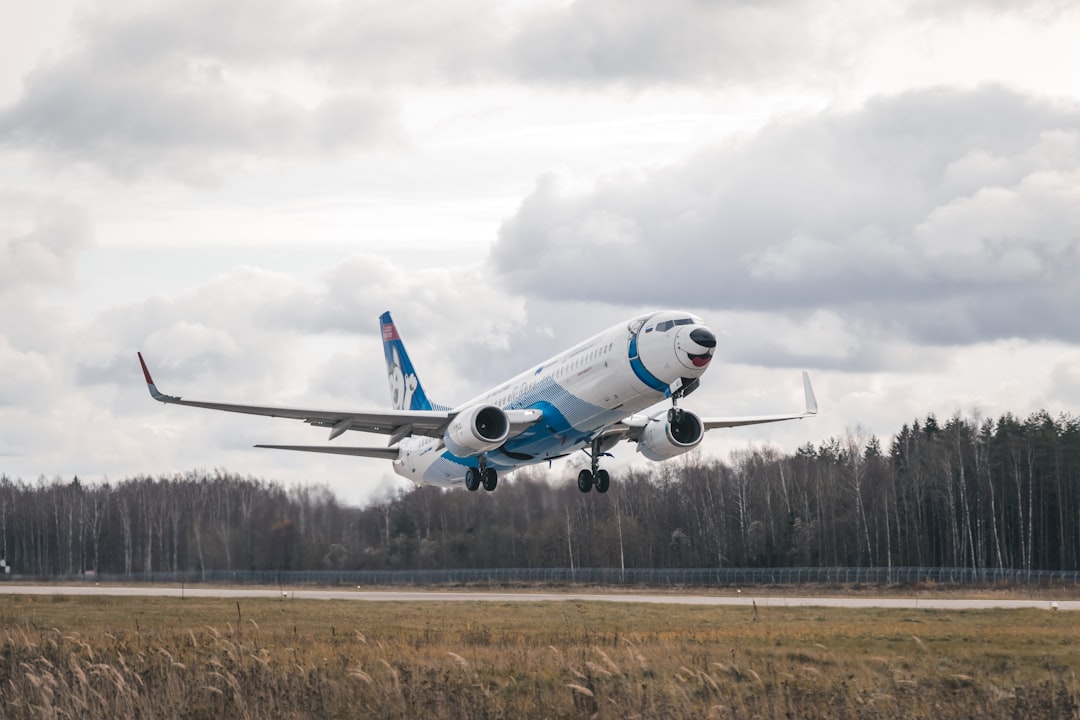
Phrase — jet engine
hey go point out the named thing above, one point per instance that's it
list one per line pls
(679, 432)
(477, 430)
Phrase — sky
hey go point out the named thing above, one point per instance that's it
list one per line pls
(884, 194)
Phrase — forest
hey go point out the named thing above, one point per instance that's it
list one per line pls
(969, 492)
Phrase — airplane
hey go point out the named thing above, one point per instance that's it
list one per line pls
(587, 398)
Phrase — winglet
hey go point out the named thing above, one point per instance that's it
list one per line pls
(811, 401)
(154, 392)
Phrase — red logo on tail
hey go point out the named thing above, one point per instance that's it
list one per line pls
(389, 332)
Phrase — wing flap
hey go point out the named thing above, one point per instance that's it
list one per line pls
(430, 423)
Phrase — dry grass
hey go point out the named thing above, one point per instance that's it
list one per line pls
(202, 658)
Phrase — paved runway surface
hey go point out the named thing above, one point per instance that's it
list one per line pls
(742, 599)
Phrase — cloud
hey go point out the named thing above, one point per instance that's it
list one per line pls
(40, 240)
(373, 42)
(190, 90)
(461, 332)
(684, 41)
(1064, 386)
(180, 118)
(943, 216)
(26, 376)
(186, 90)
(459, 325)
(1040, 10)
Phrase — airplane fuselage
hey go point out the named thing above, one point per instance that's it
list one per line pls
(580, 392)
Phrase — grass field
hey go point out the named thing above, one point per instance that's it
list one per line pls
(100, 657)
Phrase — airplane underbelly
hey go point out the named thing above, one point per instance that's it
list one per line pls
(426, 466)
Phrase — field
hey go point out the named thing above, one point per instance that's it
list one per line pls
(100, 657)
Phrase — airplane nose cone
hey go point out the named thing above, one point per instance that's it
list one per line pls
(694, 348)
(704, 337)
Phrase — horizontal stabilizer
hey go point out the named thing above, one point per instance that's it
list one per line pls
(383, 453)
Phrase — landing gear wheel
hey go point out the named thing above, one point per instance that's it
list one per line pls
(472, 479)
(585, 481)
(491, 478)
(603, 479)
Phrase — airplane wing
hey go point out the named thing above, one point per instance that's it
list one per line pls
(729, 422)
(630, 428)
(396, 423)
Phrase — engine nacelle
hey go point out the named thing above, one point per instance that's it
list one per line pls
(477, 430)
(670, 436)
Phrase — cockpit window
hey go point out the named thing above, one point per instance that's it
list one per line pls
(668, 324)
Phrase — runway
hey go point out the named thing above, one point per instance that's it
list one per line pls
(746, 599)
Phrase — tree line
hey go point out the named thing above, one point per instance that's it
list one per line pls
(972, 492)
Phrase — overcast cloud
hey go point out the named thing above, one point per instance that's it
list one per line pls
(946, 216)
(887, 196)
(186, 88)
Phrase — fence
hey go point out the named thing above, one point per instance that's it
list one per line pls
(605, 576)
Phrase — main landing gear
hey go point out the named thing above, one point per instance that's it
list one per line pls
(586, 479)
(595, 476)
(483, 475)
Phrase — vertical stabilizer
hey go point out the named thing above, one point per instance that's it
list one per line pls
(406, 392)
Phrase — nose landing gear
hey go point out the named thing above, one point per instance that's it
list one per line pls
(680, 389)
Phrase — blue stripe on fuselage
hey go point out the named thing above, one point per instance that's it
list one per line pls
(642, 372)
(568, 421)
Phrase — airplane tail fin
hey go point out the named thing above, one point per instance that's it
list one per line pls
(406, 392)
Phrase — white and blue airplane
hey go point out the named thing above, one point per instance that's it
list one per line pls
(586, 398)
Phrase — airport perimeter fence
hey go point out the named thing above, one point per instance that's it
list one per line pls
(645, 577)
